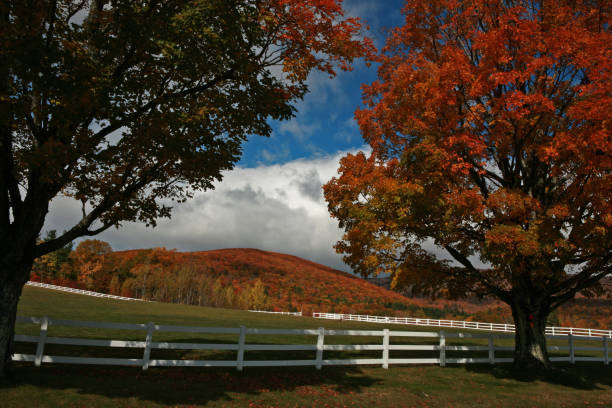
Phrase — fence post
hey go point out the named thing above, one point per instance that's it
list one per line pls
(442, 349)
(385, 355)
(320, 342)
(491, 350)
(572, 358)
(146, 356)
(605, 350)
(44, 324)
(241, 339)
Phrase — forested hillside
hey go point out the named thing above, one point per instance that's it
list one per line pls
(255, 279)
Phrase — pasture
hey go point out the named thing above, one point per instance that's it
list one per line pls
(585, 384)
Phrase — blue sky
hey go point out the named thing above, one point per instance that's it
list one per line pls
(324, 122)
(273, 199)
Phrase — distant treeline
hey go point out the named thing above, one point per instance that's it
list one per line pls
(154, 274)
(252, 279)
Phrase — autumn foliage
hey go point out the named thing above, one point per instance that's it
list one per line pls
(261, 280)
(490, 135)
(126, 106)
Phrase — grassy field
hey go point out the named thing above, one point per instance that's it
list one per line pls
(586, 384)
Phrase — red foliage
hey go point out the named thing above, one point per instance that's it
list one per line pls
(294, 284)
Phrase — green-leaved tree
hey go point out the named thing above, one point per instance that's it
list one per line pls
(121, 103)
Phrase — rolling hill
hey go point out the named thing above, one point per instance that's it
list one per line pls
(246, 278)
(291, 283)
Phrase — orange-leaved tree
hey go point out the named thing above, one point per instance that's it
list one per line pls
(120, 103)
(490, 140)
(88, 262)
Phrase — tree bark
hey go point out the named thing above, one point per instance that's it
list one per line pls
(530, 332)
(13, 280)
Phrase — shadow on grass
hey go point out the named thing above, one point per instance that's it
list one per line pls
(178, 386)
(583, 376)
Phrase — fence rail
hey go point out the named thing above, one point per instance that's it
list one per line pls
(279, 313)
(319, 346)
(79, 291)
(499, 327)
(460, 324)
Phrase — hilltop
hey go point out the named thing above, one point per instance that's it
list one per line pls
(237, 278)
(290, 283)
(245, 278)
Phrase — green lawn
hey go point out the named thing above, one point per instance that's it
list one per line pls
(585, 384)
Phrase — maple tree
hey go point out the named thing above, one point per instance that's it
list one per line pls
(489, 129)
(88, 261)
(122, 103)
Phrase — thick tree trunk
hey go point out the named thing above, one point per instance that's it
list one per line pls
(10, 291)
(530, 338)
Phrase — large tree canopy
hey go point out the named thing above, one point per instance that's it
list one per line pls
(490, 134)
(121, 103)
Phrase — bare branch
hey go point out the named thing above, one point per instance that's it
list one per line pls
(558, 300)
(469, 267)
(82, 227)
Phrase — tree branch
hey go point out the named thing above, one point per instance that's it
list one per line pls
(229, 74)
(577, 281)
(11, 197)
(459, 257)
(558, 300)
(72, 12)
(82, 227)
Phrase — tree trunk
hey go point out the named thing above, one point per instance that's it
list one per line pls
(13, 279)
(530, 338)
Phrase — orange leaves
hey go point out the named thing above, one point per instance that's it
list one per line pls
(512, 205)
(466, 203)
(607, 219)
(88, 261)
(558, 211)
(521, 108)
(504, 243)
(490, 131)
(308, 29)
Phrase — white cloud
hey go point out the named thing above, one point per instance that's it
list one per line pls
(300, 131)
(278, 152)
(277, 208)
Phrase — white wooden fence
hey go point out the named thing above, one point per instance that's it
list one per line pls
(318, 347)
(502, 327)
(508, 328)
(279, 313)
(79, 291)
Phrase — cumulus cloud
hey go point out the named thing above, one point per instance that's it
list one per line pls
(276, 208)
(310, 185)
